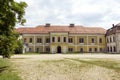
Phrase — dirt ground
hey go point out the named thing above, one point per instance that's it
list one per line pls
(62, 67)
(62, 56)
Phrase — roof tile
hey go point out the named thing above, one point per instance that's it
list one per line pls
(75, 29)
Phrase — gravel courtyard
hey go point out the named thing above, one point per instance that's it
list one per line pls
(67, 66)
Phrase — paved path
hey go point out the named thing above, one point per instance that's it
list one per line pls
(62, 56)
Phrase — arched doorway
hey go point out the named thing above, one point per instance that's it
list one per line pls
(58, 49)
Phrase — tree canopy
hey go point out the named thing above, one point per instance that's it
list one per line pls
(11, 13)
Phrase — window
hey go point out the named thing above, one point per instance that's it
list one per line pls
(47, 49)
(53, 39)
(64, 39)
(25, 40)
(110, 39)
(58, 39)
(108, 49)
(100, 40)
(81, 49)
(90, 49)
(30, 40)
(70, 49)
(30, 49)
(113, 39)
(114, 49)
(95, 49)
(37, 50)
(70, 40)
(47, 40)
(81, 40)
(107, 40)
(101, 49)
(92, 40)
(39, 40)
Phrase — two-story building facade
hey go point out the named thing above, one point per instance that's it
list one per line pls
(113, 39)
(63, 39)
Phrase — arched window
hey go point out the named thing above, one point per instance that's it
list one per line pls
(113, 38)
(81, 40)
(107, 40)
(64, 39)
(30, 40)
(114, 49)
(100, 40)
(110, 39)
(58, 39)
(95, 49)
(81, 49)
(90, 49)
(108, 49)
(53, 39)
(92, 40)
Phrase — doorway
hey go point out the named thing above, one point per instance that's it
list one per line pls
(58, 49)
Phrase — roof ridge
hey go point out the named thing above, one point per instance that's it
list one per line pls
(76, 29)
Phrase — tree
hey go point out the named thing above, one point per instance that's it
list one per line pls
(11, 13)
(19, 48)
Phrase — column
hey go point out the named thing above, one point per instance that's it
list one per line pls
(98, 43)
(56, 39)
(62, 37)
(34, 44)
(87, 43)
(43, 43)
(50, 39)
(75, 43)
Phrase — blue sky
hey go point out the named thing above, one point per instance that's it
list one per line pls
(90, 13)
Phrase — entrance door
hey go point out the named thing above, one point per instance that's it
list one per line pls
(58, 49)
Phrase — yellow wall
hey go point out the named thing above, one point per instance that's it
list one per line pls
(84, 48)
(84, 37)
(75, 45)
(28, 39)
(90, 39)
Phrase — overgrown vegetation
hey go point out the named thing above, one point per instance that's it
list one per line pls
(6, 72)
(110, 64)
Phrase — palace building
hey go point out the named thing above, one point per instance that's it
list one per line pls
(113, 39)
(63, 39)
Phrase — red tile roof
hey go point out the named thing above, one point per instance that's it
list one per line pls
(75, 29)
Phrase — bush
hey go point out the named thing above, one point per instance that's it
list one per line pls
(19, 48)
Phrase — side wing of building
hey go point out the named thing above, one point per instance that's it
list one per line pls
(113, 39)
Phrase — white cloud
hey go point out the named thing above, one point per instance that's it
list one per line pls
(83, 12)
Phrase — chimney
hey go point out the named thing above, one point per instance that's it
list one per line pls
(47, 25)
(113, 25)
(72, 25)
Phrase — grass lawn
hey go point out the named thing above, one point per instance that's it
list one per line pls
(6, 71)
(106, 63)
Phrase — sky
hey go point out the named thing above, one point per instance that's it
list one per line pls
(89, 13)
